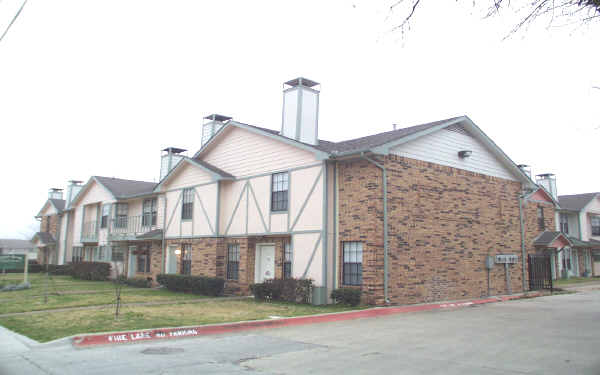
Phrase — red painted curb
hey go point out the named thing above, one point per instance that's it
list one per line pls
(173, 333)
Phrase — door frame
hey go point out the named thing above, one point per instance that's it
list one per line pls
(258, 255)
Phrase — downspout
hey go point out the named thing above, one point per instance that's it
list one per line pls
(523, 264)
(335, 225)
(385, 225)
(162, 258)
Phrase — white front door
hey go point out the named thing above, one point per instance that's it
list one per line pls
(172, 260)
(264, 263)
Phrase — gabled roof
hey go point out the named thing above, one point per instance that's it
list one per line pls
(58, 204)
(576, 202)
(9, 243)
(122, 188)
(119, 188)
(580, 243)
(380, 143)
(216, 173)
(541, 190)
(547, 238)
(44, 237)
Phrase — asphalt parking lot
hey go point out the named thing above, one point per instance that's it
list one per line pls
(548, 335)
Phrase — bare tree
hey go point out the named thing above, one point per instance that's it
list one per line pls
(557, 12)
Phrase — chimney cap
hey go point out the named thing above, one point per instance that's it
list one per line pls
(523, 166)
(75, 182)
(174, 150)
(546, 175)
(217, 117)
(55, 189)
(301, 81)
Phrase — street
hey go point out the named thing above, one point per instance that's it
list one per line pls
(548, 335)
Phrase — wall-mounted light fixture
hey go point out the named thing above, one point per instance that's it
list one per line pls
(177, 251)
(464, 154)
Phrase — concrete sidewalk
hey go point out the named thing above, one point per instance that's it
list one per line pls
(12, 343)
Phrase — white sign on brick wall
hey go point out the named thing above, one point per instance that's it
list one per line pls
(507, 258)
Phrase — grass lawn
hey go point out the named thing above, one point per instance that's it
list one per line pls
(575, 280)
(51, 326)
(102, 293)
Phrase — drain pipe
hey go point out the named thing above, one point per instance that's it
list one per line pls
(523, 264)
(385, 225)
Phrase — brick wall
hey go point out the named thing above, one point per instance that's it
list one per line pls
(443, 222)
(54, 220)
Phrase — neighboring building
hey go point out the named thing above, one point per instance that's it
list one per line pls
(428, 203)
(19, 247)
(46, 241)
(579, 219)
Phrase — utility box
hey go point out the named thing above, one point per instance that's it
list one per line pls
(319, 295)
(489, 262)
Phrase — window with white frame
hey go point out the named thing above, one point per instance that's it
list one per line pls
(564, 223)
(233, 261)
(352, 267)
(143, 258)
(595, 225)
(121, 215)
(187, 204)
(279, 191)
(149, 212)
(287, 261)
(104, 217)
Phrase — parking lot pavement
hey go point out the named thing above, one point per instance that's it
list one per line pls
(548, 335)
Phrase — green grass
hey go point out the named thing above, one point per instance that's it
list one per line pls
(54, 325)
(103, 293)
(575, 280)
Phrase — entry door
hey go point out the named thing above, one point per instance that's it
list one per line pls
(131, 269)
(265, 263)
(172, 260)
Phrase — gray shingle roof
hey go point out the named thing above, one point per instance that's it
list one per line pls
(212, 168)
(546, 238)
(121, 188)
(575, 202)
(9, 243)
(58, 203)
(367, 142)
(153, 234)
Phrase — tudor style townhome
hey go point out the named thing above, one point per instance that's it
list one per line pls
(578, 218)
(117, 221)
(407, 216)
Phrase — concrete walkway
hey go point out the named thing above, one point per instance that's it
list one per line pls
(12, 343)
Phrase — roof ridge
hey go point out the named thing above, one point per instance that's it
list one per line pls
(124, 179)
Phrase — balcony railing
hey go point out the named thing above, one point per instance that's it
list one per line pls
(129, 227)
(89, 232)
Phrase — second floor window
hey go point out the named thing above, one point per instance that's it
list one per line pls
(595, 225)
(564, 223)
(279, 192)
(187, 204)
(186, 259)
(121, 215)
(287, 261)
(149, 212)
(540, 218)
(104, 218)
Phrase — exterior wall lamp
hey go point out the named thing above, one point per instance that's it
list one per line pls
(464, 154)
(177, 251)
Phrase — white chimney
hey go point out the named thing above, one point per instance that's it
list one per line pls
(548, 182)
(301, 111)
(55, 193)
(72, 190)
(212, 124)
(169, 159)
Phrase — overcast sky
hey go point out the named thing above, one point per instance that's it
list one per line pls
(100, 87)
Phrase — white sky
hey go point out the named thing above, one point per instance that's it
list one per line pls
(100, 87)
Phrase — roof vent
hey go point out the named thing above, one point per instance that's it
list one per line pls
(212, 124)
(301, 110)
